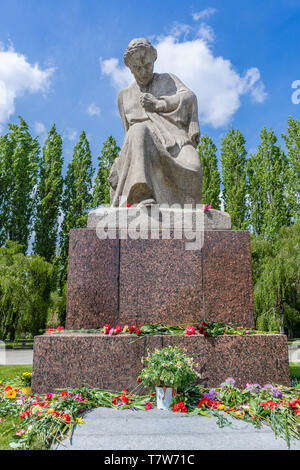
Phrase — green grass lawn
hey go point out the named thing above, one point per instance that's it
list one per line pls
(295, 369)
(11, 425)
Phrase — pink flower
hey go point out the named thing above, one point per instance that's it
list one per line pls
(205, 208)
(190, 330)
(60, 328)
(49, 396)
(111, 332)
(19, 433)
(148, 405)
(210, 207)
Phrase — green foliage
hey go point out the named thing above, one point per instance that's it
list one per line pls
(267, 172)
(277, 279)
(233, 159)
(25, 286)
(211, 176)
(57, 310)
(292, 141)
(101, 191)
(49, 195)
(19, 162)
(168, 367)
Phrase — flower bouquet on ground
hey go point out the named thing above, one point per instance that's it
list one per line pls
(167, 370)
(275, 406)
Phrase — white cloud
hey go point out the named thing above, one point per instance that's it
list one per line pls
(17, 77)
(93, 110)
(70, 134)
(206, 32)
(217, 84)
(39, 128)
(200, 15)
(120, 76)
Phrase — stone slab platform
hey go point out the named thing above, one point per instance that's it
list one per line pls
(159, 217)
(113, 363)
(120, 281)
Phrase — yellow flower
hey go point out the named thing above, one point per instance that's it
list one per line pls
(11, 394)
(79, 420)
(221, 407)
(50, 410)
(125, 329)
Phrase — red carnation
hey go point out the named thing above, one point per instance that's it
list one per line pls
(190, 330)
(132, 328)
(67, 417)
(118, 329)
(138, 331)
(125, 399)
(106, 329)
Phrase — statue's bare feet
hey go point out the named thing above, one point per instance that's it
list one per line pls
(146, 203)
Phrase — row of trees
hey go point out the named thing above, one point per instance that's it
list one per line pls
(261, 192)
(39, 206)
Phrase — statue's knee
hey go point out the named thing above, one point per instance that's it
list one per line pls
(189, 156)
(140, 129)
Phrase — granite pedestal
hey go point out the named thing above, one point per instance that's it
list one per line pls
(157, 279)
(120, 281)
(113, 363)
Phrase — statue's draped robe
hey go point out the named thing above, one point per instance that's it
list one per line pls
(151, 164)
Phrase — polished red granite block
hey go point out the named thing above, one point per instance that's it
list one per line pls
(113, 363)
(93, 280)
(159, 280)
(227, 278)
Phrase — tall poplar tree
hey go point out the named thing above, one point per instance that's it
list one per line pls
(19, 163)
(101, 191)
(49, 195)
(233, 159)
(267, 172)
(211, 175)
(292, 142)
(77, 199)
(6, 150)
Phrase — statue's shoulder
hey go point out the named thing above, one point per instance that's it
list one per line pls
(171, 80)
(128, 89)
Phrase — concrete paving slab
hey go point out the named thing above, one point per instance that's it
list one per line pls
(12, 357)
(109, 429)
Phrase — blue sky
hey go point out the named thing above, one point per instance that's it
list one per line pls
(61, 62)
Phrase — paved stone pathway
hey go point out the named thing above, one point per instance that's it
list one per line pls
(109, 429)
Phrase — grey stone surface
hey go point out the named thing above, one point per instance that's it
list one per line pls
(158, 217)
(12, 357)
(294, 352)
(158, 162)
(109, 429)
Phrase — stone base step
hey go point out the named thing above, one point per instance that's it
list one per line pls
(72, 359)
